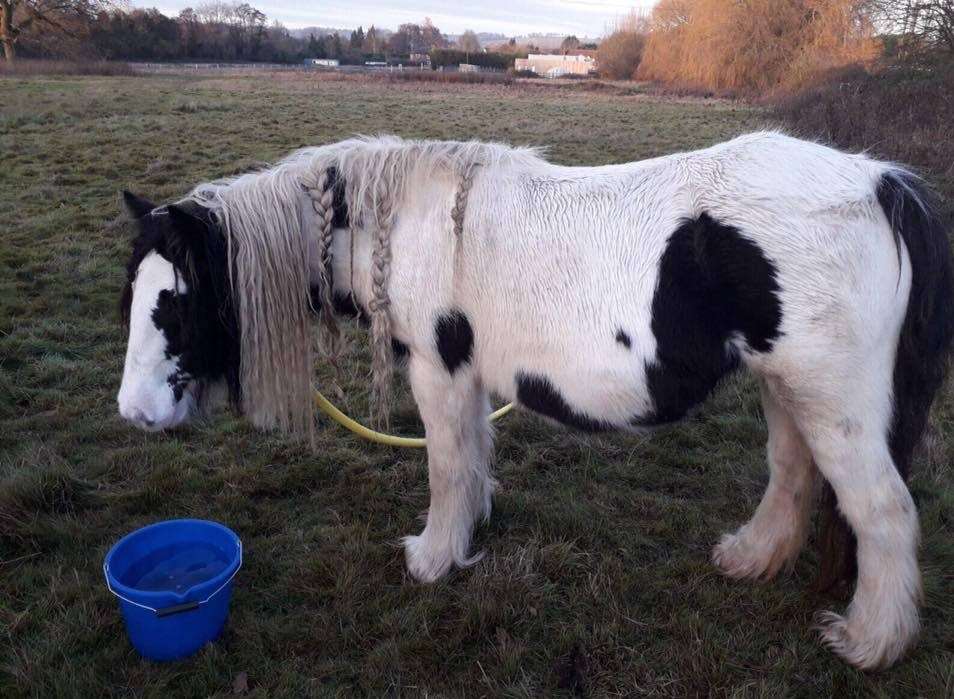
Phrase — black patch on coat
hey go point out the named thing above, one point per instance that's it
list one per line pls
(455, 339)
(167, 316)
(623, 339)
(200, 326)
(539, 395)
(714, 284)
(342, 218)
(400, 350)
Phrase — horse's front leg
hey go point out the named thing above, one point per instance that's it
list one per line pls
(454, 408)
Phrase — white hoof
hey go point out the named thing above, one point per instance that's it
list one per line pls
(428, 563)
(742, 556)
(866, 649)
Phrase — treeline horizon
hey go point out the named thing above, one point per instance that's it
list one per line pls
(228, 31)
(758, 47)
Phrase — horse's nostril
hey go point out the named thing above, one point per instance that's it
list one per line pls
(147, 422)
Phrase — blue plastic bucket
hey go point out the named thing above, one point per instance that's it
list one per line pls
(174, 583)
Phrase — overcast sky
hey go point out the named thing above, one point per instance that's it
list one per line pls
(511, 17)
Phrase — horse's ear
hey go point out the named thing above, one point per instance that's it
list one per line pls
(136, 207)
(184, 222)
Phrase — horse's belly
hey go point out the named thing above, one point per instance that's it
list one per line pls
(590, 386)
(598, 392)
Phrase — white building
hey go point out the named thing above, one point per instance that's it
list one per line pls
(324, 62)
(555, 65)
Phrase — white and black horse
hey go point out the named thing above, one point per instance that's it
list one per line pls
(603, 298)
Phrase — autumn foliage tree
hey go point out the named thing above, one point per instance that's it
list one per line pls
(755, 45)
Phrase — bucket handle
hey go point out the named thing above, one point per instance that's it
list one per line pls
(176, 608)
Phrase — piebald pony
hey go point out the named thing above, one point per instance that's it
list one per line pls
(610, 297)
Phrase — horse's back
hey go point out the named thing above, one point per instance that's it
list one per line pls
(622, 295)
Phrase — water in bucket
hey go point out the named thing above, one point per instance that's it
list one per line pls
(177, 568)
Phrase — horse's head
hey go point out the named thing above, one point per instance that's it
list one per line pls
(177, 305)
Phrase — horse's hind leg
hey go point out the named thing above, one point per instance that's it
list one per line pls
(845, 421)
(454, 408)
(882, 618)
(774, 536)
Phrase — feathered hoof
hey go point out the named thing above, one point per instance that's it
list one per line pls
(866, 649)
(739, 558)
(428, 563)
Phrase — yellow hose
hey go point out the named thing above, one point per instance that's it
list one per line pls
(372, 436)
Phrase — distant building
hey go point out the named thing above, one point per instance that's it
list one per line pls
(324, 62)
(422, 58)
(554, 66)
(468, 68)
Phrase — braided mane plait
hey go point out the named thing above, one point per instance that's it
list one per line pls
(460, 199)
(382, 359)
(320, 188)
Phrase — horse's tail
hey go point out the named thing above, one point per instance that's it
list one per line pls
(924, 345)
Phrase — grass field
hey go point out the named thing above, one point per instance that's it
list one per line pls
(596, 579)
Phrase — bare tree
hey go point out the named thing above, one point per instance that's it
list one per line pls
(416, 38)
(468, 43)
(372, 42)
(215, 12)
(919, 24)
(431, 36)
(18, 16)
(250, 29)
(407, 39)
(620, 53)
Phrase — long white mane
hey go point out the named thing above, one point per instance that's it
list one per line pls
(276, 219)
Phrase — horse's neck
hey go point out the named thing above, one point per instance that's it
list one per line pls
(351, 265)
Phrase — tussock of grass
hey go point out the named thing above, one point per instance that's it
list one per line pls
(42, 482)
(596, 578)
(35, 488)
